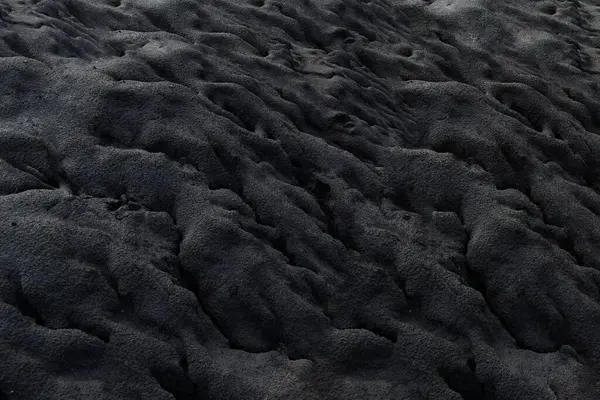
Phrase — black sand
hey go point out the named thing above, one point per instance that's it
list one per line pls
(299, 199)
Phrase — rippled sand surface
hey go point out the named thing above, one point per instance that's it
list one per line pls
(299, 199)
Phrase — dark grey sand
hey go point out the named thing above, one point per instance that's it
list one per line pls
(227, 199)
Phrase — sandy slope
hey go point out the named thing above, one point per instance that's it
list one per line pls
(299, 199)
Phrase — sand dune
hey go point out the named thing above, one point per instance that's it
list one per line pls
(314, 199)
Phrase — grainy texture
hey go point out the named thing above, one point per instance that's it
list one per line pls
(299, 199)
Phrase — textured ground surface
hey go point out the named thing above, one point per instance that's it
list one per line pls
(284, 199)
